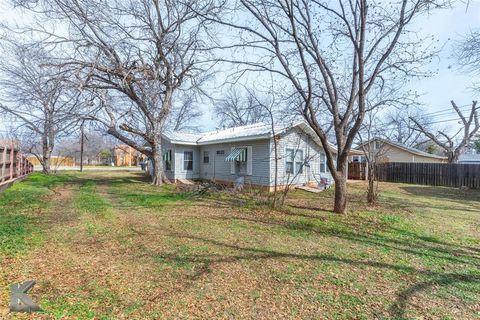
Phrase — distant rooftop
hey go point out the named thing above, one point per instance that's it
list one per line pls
(469, 158)
(406, 148)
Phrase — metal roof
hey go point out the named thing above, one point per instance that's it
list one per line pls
(243, 133)
(474, 158)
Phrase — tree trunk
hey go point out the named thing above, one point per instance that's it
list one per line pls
(275, 186)
(340, 177)
(46, 155)
(453, 156)
(371, 193)
(157, 160)
(340, 203)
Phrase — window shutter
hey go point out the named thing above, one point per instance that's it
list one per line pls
(232, 164)
(249, 160)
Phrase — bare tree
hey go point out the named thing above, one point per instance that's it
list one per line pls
(236, 109)
(268, 106)
(333, 54)
(185, 115)
(399, 127)
(476, 144)
(36, 101)
(96, 147)
(134, 57)
(467, 52)
(374, 150)
(455, 144)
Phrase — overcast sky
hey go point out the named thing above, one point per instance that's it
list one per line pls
(447, 26)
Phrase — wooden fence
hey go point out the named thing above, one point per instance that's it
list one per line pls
(434, 174)
(55, 161)
(13, 164)
(357, 171)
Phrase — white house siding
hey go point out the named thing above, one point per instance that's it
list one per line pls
(263, 162)
(166, 145)
(297, 139)
(219, 169)
(180, 173)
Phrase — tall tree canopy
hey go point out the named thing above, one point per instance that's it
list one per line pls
(333, 55)
(132, 59)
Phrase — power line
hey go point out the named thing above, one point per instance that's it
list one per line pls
(447, 112)
(447, 109)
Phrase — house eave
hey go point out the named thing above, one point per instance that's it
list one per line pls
(238, 139)
(186, 143)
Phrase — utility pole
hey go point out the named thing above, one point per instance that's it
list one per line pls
(81, 145)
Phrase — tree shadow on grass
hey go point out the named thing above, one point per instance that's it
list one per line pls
(411, 245)
(409, 242)
(390, 236)
(399, 307)
(204, 264)
(453, 194)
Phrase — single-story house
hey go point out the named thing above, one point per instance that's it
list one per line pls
(246, 155)
(469, 159)
(125, 155)
(389, 151)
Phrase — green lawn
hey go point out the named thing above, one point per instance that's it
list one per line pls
(107, 245)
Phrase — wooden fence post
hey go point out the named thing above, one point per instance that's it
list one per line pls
(4, 162)
(12, 159)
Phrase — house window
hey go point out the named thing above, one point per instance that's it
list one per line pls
(323, 162)
(289, 160)
(167, 156)
(206, 157)
(361, 159)
(299, 161)
(240, 159)
(241, 167)
(294, 161)
(188, 160)
(220, 152)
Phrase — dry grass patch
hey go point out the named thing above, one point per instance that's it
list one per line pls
(132, 251)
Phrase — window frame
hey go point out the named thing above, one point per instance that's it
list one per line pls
(168, 163)
(294, 161)
(206, 156)
(289, 158)
(187, 163)
(299, 162)
(323, 162)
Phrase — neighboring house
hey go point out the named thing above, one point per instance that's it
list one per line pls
(55, 161)
(389, 151)
(246, 155)
(125, 155)
(469, 159)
